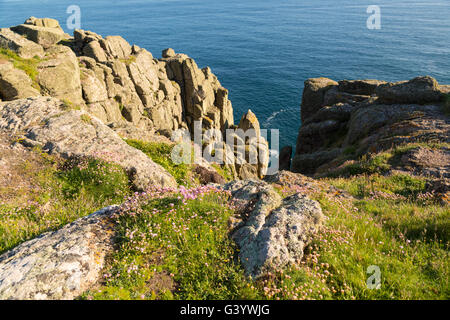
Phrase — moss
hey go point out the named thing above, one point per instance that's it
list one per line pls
(69, 105)
(224, 171)
(29, 66)
(129, 60)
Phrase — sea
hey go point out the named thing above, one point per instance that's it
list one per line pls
(264, 50)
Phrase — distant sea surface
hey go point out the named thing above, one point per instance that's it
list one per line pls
(263, 50)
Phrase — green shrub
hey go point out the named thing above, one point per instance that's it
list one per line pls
(59, 193)
(99, 179)
(161, 154)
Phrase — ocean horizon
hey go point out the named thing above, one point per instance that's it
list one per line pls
(263, 51)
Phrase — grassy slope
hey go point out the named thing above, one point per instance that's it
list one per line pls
(175, 246)
(62, 192)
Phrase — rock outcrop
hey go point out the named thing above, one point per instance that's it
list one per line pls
(271, 232)
(45, 32)
(15, 83)
(366, 116)
(124, 86)
(51, 124)
(60, 264)
(23, 47)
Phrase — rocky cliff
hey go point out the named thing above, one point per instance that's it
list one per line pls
(344, 120)
(121, 85)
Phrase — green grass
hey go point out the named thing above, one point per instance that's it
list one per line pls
(61, 192)
(224, 171)
(86, 118)
(161, 154)
(183, 238)
(69, 105)
(129, 60)
(392, 225)
(382, 162)
(29, 66)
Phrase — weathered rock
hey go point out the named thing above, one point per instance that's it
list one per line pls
(420, 90)
(59, 75)
(360, 87)
(94, 90)
(285, 158)
(249, 121)
(428, 162)
(307, 163)
(366, 121)
(94, 50)
(208, 176)
(15, 83)
(313, 95)
(24, 48)
(58, 265)
(375, 116)
(46, 122)
(270, 232)
(168, 53)
(203, 95)
(43, 22)
(45, 36)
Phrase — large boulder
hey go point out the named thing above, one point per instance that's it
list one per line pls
(59, 75)
(271, 232)
(45, 31)
(419, 90)
(24, 48)
(43, 22)
(313, 95)
(50, 124)
(59, 265)
(15, 83)
(360, 87)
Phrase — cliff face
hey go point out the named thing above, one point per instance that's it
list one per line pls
(348, 119)
(122, 85)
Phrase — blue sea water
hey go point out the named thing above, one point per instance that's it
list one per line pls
(263, 50)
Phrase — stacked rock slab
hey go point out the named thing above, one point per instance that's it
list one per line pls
(45, 32)
(362, 116)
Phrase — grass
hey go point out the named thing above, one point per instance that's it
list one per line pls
(161, 154)
(69, 105)
(29, 66)
(60, 192)
(182, 235)
(174, 244)
(86, 118)
(393, 225)
(382, 162)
